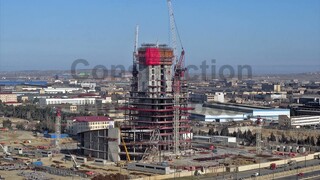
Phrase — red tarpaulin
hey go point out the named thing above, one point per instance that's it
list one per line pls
(152, 56)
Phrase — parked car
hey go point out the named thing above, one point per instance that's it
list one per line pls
(255, 174)
(300, 174)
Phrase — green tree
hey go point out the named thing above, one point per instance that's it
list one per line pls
(312, 141)
(211, 131)
(224, 131)
(20, 126)
(7, 124)
(318, 141)
(272, 137)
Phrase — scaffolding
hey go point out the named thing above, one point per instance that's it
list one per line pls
(152, 113)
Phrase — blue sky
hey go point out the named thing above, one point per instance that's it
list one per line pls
(270, 35)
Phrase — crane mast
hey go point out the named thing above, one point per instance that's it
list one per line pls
(58, 129)
(177, 76)
(258, 135)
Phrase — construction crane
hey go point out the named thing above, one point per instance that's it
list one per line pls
(125, 148)
(258, 135)
(58, 129)
(134, 68)
(177, 76)
(6, 153)
(76, 166)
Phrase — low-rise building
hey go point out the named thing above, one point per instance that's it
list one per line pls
(87, 123)
(51, 90)
(207, 97)
(73, 101)
(8, 97)
(216, 139)
(97, 136)
(298, 121)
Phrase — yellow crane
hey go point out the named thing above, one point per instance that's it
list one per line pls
(125, 148)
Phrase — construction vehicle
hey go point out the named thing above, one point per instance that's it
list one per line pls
(123, 163)
(7, 155)
(273, 166)
(5, 152)
(292, 162)
(125, 148)
(76, 166)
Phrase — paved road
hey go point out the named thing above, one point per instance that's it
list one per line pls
(263, 171)
(301, 177)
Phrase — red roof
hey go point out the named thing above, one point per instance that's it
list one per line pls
(87, 94)
(5, 92)
(11, 102)
(92, 118)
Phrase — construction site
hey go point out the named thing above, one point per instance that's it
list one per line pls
(155, 140)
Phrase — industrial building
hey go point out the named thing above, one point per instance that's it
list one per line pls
(152, 106)
(270, 114)
(221, 115)
(96, 135)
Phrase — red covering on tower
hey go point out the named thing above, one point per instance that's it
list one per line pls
(152, 56)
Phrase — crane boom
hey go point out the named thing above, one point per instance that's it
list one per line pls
(136, 40)
(172, 29)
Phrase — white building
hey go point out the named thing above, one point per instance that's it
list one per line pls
(305, 120)
(8, 97)
(207, 97)
(274, 96)
(73, 101)
(51, 90)
(219, 97)
(217, 139)
(224, 139)
(88, 123)
(270, 114)
(90, 86)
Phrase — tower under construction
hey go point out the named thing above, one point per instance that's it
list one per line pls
(157, 109)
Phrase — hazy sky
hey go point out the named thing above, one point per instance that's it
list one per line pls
(268, 35)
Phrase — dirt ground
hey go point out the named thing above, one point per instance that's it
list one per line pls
(14, 175)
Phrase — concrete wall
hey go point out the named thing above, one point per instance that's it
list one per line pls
(113, 146)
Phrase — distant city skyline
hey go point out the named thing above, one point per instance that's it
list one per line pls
(270, 36)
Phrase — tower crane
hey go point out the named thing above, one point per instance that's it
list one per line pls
(258, 135)
(58, 129)
(177, 76)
